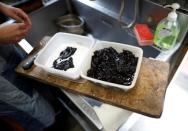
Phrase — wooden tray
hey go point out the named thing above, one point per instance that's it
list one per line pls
(146, 98)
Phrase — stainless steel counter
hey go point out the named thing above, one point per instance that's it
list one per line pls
(102, 25)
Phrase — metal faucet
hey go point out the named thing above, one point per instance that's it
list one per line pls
(123, 25)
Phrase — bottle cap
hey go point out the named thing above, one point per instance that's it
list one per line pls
(172, 16)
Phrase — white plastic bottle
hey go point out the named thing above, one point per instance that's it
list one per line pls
(167, 30)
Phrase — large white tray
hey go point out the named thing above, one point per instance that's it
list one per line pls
(138, 52)
(58, 43)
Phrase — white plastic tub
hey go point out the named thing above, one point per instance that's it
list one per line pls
(60, 42)
(138, 52)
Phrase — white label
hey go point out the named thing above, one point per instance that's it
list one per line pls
(25, 46)
(164, 32)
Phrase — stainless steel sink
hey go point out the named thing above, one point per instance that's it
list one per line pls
(101, 22)
(104, 24)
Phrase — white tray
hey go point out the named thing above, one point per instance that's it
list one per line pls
(58, 43)
(138, 52)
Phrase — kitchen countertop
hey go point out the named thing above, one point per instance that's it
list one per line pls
(50, 29)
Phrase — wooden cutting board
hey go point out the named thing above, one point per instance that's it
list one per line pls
(146, 98)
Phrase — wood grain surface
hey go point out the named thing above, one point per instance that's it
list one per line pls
(146, 98)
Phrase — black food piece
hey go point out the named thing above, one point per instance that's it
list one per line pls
(63, 64)
(69, 51)
(109, 65)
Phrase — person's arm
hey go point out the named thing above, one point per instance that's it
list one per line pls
(15, 13)
(13, 33)
(1, 5)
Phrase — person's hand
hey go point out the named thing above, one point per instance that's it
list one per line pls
(15, 13)
(12, 33)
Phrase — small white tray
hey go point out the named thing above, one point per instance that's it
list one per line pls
(58, 43)
(138, 52)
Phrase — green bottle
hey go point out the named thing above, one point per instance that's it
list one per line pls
(167, 30)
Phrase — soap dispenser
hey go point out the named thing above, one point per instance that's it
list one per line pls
(167, 30)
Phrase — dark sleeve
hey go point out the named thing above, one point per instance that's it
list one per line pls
(2, 63)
